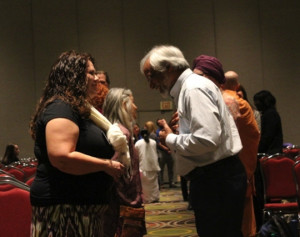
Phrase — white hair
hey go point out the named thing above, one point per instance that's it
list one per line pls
(114, 109)
(163, 56)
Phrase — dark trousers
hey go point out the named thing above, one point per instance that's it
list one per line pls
(166, 158)
(217, 194)
(258, 198)
(184, 188)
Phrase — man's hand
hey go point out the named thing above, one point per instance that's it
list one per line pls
(173, 124)
(164, 132)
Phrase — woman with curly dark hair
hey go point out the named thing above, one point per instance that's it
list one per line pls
(75, 173)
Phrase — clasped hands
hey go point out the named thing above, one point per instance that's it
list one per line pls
(172, 127)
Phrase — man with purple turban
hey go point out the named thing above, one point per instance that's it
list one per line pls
(206, 147)
(209, 67)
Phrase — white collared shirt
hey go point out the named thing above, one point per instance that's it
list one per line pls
(207, 132)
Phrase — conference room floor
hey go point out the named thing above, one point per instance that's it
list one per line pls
(170, 216)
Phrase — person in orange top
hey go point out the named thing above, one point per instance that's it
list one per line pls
(250, 135)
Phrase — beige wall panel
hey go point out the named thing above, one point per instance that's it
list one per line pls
(55, 30)
(101, 34)
(281, 57)
(238, 40)
(191, 27)
(16, 70)
(145, 25)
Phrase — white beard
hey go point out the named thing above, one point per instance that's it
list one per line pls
(164, 90)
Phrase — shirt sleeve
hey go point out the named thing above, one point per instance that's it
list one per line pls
(60, 109)
(200, 124)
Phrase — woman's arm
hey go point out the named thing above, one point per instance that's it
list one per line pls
(61, 139)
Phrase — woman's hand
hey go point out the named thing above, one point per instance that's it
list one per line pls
(115, 169)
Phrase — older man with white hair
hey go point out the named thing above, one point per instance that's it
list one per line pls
(207, 146)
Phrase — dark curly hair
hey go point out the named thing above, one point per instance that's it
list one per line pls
(67, 81)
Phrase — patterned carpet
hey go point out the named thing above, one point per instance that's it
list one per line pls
(170, 216)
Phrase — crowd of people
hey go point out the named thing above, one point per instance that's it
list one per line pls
(96, 170)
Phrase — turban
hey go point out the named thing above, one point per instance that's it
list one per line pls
(210, 66)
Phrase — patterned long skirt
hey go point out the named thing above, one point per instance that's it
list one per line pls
(68, 221)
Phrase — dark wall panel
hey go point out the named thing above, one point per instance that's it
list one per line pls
(281, 56)
(17, 87)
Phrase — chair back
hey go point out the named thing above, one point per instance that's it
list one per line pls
(16, 172)
(278, 156)
(4, 186)
(29, 171)
(292, 151)
(278, 178)
(15, 215)
(296, 158)
(30, 180)
(8, 182)
(297, 179)
(262, 155)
